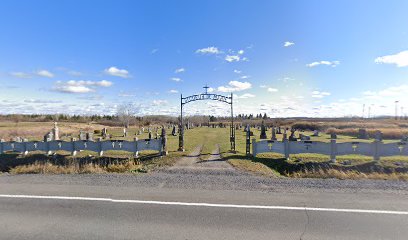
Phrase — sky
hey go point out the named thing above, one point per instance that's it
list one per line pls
(284, 58)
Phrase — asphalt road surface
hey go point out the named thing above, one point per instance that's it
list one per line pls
(200, 204)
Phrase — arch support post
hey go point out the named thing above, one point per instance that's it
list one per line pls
(181, 127)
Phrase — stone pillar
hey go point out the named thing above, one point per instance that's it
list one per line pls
(333, 150)
(55, 132)
(254, 150)
(286, 146)
(377, 149)
(377, 146)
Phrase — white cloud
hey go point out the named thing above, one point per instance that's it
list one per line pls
(240, 52)
(80, 86)
(245, 95)
(263, 86)
(245, 77)
(272, 90)
(327, 63)
(208, 50)
(232, 58)
(235, 86)
(176, 79)
(173, 91)
(400, 59)
(20, 75)
(237, 71)
(114, 71)
(45, 73)
(180, 70)
(41, 101)
(159, 102)
(288, 44)
(318, 94)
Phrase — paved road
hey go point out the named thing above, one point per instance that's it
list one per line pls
(169, 205)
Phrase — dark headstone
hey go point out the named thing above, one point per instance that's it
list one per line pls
(263, 132)
(362, 133)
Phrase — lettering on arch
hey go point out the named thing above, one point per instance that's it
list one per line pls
(207, 96)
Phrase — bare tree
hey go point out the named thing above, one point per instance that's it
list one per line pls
(125, 114)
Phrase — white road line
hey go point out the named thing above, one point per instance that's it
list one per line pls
(344, 210)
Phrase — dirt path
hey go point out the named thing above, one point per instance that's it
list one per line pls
(193, 162)
(189, 160)
(215, 161)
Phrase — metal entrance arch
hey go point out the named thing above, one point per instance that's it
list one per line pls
(206, 96)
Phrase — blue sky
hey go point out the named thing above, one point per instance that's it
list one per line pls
(285, 58)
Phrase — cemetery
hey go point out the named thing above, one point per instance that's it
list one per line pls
(279, 147)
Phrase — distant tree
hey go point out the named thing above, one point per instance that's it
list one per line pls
(265, 116)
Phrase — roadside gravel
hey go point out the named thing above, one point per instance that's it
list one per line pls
(210, 180)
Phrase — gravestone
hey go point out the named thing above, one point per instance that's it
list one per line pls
(124, 132)
(333, 136)
(150, 135)
(404, 138)
(263, 132)
(48, 137)
(82, 136)
(279, 130)
(89, 136)
(378, 136)
(292, 135)
(315, 133)
(304, 137)
(173, 132)
(274, 134)
(362, 133)
(104, 132)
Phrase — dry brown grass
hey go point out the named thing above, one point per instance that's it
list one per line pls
(50, 168)
(396, 133)
(333, 173)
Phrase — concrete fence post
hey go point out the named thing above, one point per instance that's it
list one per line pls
(286, 148)
(74, 152)
(254, 147)
(25, 152)
(47, 148)
(100, 147)
(1, 146)
(136, 153)
(333, 150)
(377, 149)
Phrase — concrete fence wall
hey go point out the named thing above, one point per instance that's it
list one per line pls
(74, 146)
(375, 149)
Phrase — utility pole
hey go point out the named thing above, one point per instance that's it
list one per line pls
(369, 111)
(363, 111)
(396, 110)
